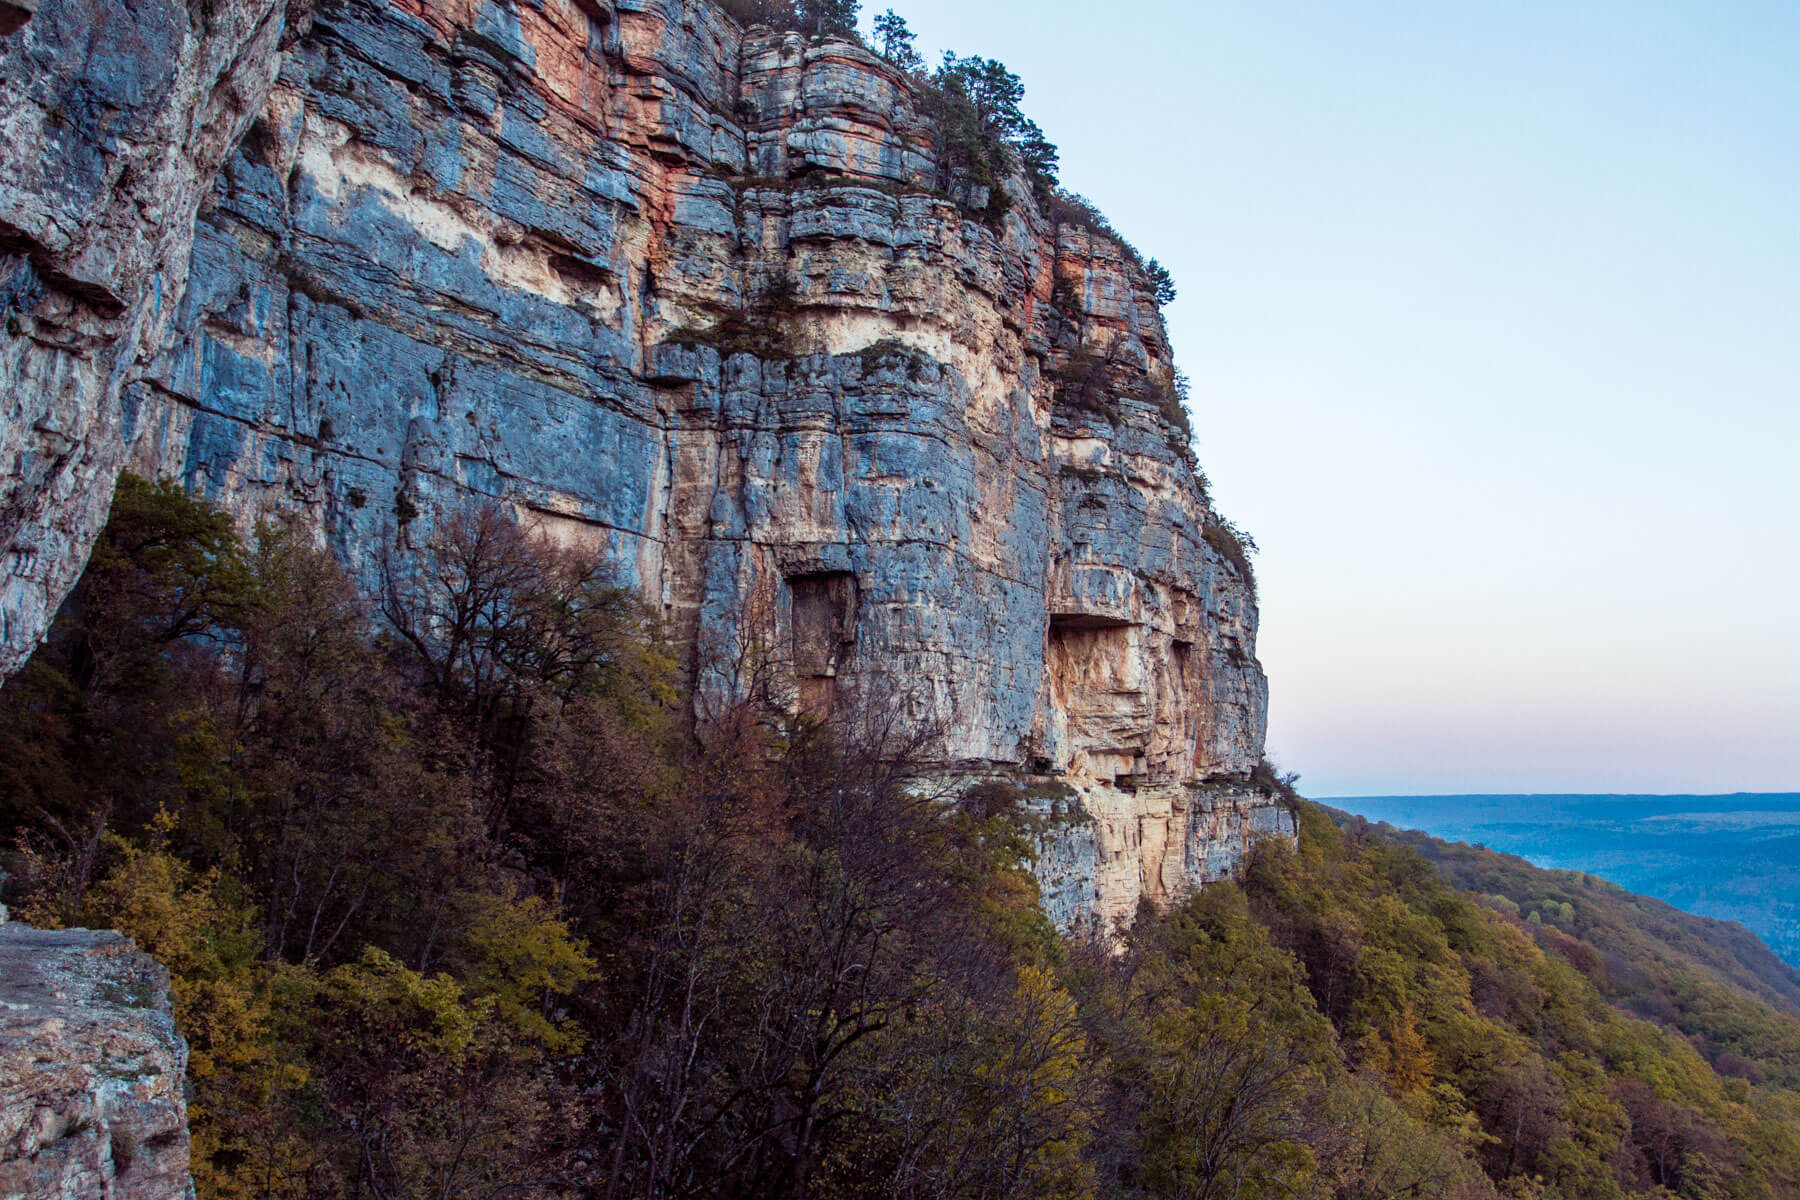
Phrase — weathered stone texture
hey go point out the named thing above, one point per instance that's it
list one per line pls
(693, 296)
(91, 1070)
(115, 117)
(1109, 849)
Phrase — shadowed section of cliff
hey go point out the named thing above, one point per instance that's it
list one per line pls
(91, 1069)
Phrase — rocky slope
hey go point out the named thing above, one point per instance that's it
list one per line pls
(91, 1069)
(668, 288)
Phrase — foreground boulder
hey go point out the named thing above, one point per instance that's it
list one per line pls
(91, 1069)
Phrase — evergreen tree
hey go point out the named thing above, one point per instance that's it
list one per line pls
(1161, 281)
(983, 126)
(823, 17)
(1037, 154)
(896, 41)
(816, 17)
(993, 91)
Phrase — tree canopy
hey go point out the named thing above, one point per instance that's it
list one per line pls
(819, 18)
(895, 41)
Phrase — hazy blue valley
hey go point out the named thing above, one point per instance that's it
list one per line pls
(1735, 857)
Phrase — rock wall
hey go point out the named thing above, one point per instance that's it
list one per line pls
(91, 1070)
(1107, 850)
(115, 117)
(698, 297)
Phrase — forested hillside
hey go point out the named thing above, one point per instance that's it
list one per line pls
(460, 898)
(1734, 857)
(1713, 980)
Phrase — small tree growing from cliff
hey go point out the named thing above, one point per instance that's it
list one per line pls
(1235, 546)
(1161, 282)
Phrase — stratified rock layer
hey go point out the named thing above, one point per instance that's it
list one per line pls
(702, 298)
(91, 1070)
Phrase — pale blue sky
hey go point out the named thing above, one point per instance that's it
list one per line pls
(1493, 318)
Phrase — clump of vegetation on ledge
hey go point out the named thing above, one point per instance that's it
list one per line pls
(1083, 384)
(1235, 546)
(1066, 208)
(983, 133)
(975, 106)
(457, 901)
(759, 328)
(1271, 780)
(1169, 388)
(892, 352)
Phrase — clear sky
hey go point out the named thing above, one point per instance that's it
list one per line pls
(1492, 313)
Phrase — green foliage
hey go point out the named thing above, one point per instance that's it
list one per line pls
(93, 709)
(1090, 381)
(208, 939)
(983, 132)
(392, 840)
(218, 753)
(520, 956)
(416, 1089)
(1162, 284)
(895, 41)
(1472, 1026)
(1066, 208)
(819, 18)
(760, 328)
(1234, 545)
(168, 568)
(1711, 981)
(1170, 388)
(1084, 384)
(1234, 1047)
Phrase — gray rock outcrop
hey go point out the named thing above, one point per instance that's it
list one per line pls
(695, 296)
(115, 121)
(91, 1070)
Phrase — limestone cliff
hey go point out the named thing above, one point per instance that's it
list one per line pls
(689, 294)
(114, 121)
(91, 1070)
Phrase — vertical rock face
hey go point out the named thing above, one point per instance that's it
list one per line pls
(91, 1070)
(116, 117)
(699, 297)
